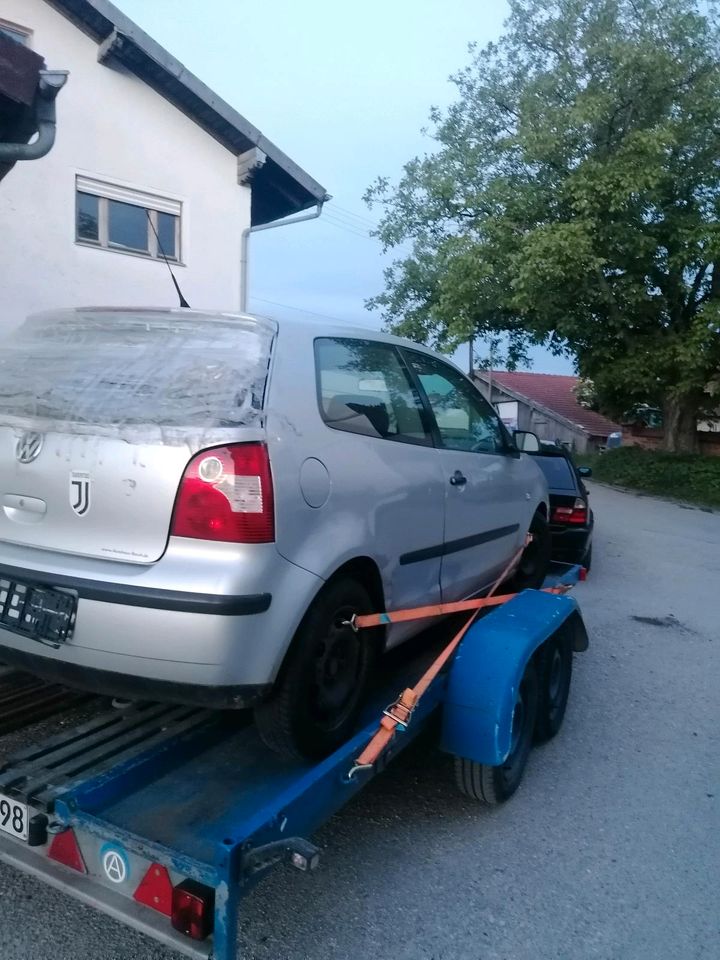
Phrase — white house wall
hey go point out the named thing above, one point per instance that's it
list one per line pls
(113, 127)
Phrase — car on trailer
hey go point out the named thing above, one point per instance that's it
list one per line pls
(195, 504)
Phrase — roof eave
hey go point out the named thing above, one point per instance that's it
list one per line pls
(280, 189)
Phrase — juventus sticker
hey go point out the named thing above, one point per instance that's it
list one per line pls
(80, 487)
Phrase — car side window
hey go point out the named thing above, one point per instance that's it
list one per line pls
(364, 388)
(465, 420)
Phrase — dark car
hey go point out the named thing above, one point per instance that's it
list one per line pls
(571, 519)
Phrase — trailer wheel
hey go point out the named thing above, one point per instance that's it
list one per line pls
(494, 785)
(555, 661)
(323, 681)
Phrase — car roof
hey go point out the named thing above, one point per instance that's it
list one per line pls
(319, 326)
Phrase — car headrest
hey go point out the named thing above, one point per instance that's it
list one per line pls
(360, 414)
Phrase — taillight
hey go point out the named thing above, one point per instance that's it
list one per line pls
(226, 494)
(577, 513)
(192, 909)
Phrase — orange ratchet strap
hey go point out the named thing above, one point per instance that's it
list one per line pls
(399, 714)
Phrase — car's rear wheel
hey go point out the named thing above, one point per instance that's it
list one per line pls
(587, 559)
(323, 681)
(535, 561)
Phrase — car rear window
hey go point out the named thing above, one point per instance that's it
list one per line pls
(121, 368)
(558, 472)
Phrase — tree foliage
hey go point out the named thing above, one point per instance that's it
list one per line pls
(572, 199)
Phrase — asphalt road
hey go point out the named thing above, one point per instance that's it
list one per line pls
(609, 851)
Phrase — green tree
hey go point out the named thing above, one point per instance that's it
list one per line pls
(572, 199)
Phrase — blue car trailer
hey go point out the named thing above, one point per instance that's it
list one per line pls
(164, 817)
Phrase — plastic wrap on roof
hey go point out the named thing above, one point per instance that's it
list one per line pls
(137, 374)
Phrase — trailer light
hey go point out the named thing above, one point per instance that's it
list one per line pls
(302, 861)
(64, 849)
(156, 890)
(192, 909)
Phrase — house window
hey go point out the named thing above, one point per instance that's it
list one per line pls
(14, 32)
(127, 221)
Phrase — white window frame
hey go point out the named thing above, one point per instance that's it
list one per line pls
(154, 204)
(22, 34)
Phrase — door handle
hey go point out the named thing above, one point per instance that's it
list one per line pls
(458, 479)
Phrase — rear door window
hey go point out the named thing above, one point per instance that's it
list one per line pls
(558, 473)
(364, 388)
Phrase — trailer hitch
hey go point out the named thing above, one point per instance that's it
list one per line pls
(299, 853)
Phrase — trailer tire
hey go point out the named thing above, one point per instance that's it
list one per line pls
(495, 785)
(321, 686)
(554, 662)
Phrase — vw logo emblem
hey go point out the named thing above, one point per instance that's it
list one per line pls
(28, 447)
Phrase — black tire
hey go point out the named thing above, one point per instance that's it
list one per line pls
(320, 689)
(495, 785)
(587, 559)
(535, 561)
(555, 662)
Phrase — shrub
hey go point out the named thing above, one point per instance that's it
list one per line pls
(686, 477)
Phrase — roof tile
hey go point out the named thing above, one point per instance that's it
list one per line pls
(556, 392)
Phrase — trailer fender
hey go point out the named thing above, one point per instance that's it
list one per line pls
(486, 672)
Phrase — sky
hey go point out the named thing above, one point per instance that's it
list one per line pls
(344, 89)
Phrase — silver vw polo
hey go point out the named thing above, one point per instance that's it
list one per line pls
(194, 505)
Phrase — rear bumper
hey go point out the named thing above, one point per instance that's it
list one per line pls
(107, 683)
(570, 544)
(133, 595)
(200, 625)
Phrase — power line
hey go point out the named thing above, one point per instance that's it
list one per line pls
(309, 313)
(364, 234)
(356, 218)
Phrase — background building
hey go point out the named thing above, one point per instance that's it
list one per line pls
(147, 159)
(546, 404)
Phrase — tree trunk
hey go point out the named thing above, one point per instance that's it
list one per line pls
(680, 425)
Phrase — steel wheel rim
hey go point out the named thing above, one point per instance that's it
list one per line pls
(336, 667)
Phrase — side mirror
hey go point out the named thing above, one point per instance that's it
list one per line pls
(526, 441)
(585, 472)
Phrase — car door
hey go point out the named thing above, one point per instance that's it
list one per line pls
(367, 431)
(486, 496)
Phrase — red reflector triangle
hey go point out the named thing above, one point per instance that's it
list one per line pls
(156, 889)
(65, 850)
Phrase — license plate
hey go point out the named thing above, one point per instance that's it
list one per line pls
(42, 613)
(13, 817)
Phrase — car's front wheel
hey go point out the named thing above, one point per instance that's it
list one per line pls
(323, 681)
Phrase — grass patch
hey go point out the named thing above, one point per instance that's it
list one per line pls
(695, 479)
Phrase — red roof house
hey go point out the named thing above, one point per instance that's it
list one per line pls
(546, 404)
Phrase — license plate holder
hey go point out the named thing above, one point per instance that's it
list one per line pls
(41, 613)
(14, 817)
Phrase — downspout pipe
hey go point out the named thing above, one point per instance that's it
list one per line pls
(245, 244)
(51, 82)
